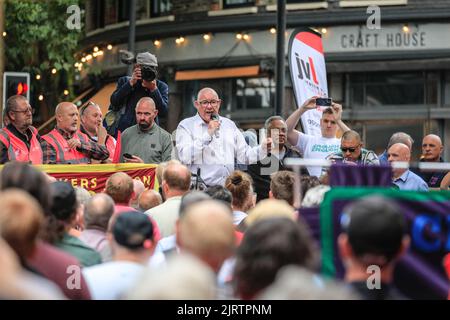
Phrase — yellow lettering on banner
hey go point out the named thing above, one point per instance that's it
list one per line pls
(84, 183)
(74, 182)
(94, 183)
(147, 180)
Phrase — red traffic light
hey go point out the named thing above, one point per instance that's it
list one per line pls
(21, 88)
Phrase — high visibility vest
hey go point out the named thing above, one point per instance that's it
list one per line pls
(110, 145)
(64, 154)
(18, 150)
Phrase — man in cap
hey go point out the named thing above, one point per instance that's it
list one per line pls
(132, 244)
(142, 83)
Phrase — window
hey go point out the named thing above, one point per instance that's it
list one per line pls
(228, 4)
(253, 93)
(160, 8)
(110, 9)
(387, 89)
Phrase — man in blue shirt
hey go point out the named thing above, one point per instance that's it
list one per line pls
(143, 83)
(404, 178)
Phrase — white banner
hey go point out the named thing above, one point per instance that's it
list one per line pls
(308, 74)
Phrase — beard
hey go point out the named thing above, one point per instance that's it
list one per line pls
(144, 126)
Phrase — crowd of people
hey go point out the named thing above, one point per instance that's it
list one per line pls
(237, 237)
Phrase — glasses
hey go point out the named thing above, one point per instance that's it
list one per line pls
(213, 103)
(28, 110)
(349, 149)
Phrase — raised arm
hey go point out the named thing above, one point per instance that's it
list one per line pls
(293, 119)
(337, 111)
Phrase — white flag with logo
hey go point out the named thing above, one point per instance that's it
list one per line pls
(308, 74)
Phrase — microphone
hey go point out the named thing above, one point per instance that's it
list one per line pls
(216, 117)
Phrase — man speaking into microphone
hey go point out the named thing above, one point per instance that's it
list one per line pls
(214, 143)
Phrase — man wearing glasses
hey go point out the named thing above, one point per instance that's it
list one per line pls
(212, 143)
(19, 140)
(353, 152)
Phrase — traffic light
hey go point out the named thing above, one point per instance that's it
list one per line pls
(16, 83)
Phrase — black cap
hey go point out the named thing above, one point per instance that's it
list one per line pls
(131, 229)
(64, 200)
(374, 225)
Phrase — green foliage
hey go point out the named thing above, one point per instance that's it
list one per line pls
(38, 40)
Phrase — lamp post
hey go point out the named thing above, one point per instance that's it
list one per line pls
(281, 29)
(132, 31)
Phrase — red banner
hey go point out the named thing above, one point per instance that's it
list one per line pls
(93, 177)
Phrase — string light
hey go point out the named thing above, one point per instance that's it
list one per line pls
(273, 30)
(38, 77)
(66, 92)
(41, 97)
(239, 36)
(157, 43)
(246, 37)
(88, 57)
(83, 59)
(100, 53)
(206, 37)
(95, 49)
(180, 40)
(405, 28)
(324, 30)
(54, 71)
(109, 47)
(4, 33)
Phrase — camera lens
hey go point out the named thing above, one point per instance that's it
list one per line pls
(148, 73)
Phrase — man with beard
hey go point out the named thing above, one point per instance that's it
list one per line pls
(91, 118)
(66, 144)
(19, 140)
(146, 142)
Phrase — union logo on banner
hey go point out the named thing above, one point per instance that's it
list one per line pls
(308, 74)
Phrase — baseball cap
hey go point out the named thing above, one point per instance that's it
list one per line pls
(131, 229)
(64, 200)
(374, 225)
(146, 58)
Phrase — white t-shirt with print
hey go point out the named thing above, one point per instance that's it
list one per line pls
(314, 147)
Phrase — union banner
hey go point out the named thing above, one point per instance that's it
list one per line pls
(93, 177)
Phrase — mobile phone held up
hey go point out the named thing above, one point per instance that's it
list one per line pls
(128, 156)
(323, 102)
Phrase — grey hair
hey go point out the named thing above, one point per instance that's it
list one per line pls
(270, 120)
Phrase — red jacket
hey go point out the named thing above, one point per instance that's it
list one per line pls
(64, 154)
(18, 150)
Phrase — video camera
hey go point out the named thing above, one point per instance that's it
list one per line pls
(148, 73)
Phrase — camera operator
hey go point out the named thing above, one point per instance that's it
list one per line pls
(143, 83)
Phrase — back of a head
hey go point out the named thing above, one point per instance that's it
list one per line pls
(282, 186)
(400, 137)
(24, 176)
(220, 193)
(82, 195)
(270, 208)
(240, 185)
(308, 182)
(375, 227)
(133, 231)
(184, 277)
(177, 177)
(119, 187)
(206, 230)
(191, 198)
(149, 199)
(97, 212)
(21, 218)
(269, 245)
(65, 201)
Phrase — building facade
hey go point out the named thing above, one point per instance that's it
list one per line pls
(388, 64)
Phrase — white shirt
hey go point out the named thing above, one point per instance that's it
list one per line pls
(315, 147)
(215, 156)
(109, 281)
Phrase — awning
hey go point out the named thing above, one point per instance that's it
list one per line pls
(236, 72)
(102, 97)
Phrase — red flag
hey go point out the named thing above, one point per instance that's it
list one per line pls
(116, 157)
